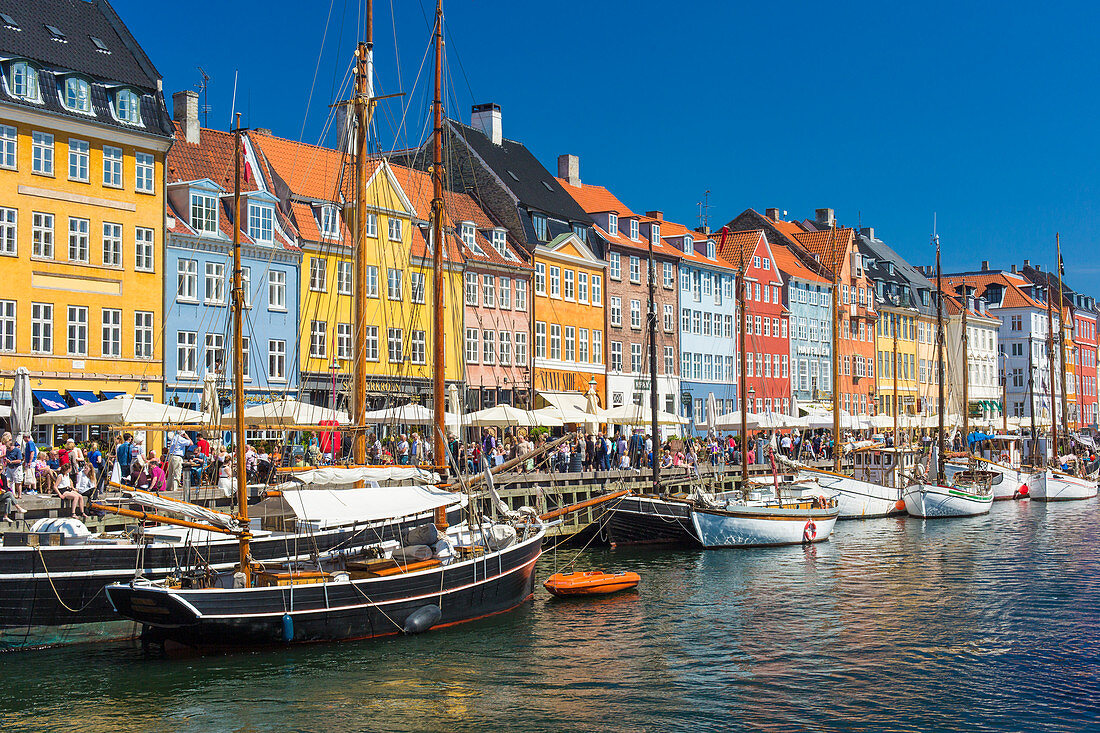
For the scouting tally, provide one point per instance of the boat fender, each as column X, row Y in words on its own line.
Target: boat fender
column 809, row 532
column 288, row 627
column 900, row 505
column 422, row 619
column 1021, row 492
column 238, row 579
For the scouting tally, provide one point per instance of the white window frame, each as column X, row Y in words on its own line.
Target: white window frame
column 276, row 360
column 145, row 170
column 78, row 239
column 9, row 147
column 143, row 334
column 276, row 290
column 186, row 353
column 112, row 244
column 79, row 160
column 112, row 167
column 213, row 290
column 9, row 231
column 42, row 153
column 203, row 213
column 41, row 328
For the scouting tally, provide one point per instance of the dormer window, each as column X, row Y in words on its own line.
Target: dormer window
column 77, row 96
column 654, row 233
column 9, row 22
column 204, row 213
column 634, row 229
column 613, row 224
column 330, row 223
column 261, row 225
column 711, row 254
column 499, row 240
column 689, row 245
column 468, row 233
column 538, row 221
column 56, row 34
column 24, row 81
column 127, row 107
column 581, row 232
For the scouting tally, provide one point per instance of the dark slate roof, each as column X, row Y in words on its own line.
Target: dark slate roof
column 78, row 20
column 521, row 172
column 906, row 277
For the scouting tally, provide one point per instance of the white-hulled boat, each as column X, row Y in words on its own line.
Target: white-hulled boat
column 1050, row 485
column 871, row 491
column 726, row 520
column 968, row 495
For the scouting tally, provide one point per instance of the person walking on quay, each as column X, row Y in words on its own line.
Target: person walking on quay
column 176, row 450
column 13, row 465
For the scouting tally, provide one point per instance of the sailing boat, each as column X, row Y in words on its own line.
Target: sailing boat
column 970, row 492
column 1048, row 484
column 436, row 574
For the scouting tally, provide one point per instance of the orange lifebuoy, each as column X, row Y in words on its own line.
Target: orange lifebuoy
column 809, row 532
column 1004, row 456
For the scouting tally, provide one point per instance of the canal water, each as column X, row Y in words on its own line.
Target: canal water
column 980, row 624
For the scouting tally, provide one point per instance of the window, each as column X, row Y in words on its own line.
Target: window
column 636, row 358
column 395, row 346
column 597, row 290
column 186, row 344
column 214, row 353
column 276, row 290
column 42, row 328
column 78, row 331
column 521, row 348
column 417, row 347
column 78, row 239
column 706, row 324
column 555, row 281
column 343, row 341
column 669, row 318
column 204, row 213
column 330, row 223
column 9, row 230
column 318, row 274
column 489, row 347
column 276, row 359
column 540, row 340
column 635, row 314
column 569, row 291
column 488, row 291
column 9, row 147
column 616, row 313
column 634, row 229
column 1017, row 323
column 246, row 354
column 318, row 340
column 42, row 153
column 670, row 361
column 127, row 108
column 597, row 347
column 471, row 288
column 143, row 172
column 343, row 277
column 7, row 325
column 370, row 343
column 24, row 81
column 505, row 347
column 112, row 245
column 143, row 249
column 78, row 160
column 261, row 225
column 370, row 288
column 669, row 279
column 76, row 95
column 616, row 363
column 416, row 287
column 143, row 334
column 499, row 240
column 395, row 228
column 635, row 270
column 505, row 293
column 540, row 278
column 570, row 343
column 187, row 279
column 214, row 283
column 696, row 321
column 689, row 245
column 538, row 221
column 613, row 224
column 112, row 166
column 685, row 320
column 555, row 341
column 466, row 231
column 615, row 272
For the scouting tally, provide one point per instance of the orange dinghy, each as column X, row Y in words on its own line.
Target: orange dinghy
column 591, row 583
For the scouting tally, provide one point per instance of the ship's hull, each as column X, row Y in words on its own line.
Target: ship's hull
column 1007, row 483
column 1049, row 486
column 332, row 611
column 858, row 499
column 54, row 595
column 762, row 526
column 649, row 520
column 931, row 501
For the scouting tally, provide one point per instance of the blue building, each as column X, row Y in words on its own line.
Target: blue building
column 806, row 297
column 199, row 271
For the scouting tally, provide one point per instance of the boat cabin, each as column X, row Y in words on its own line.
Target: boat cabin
column 883, row 465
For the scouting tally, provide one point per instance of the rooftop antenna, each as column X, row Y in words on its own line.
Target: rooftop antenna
column 704, row 209
column 203, row 87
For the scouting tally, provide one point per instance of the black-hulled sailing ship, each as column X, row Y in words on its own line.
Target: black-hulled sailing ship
column 434, row 574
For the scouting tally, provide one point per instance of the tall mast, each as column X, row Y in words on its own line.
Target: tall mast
column 743, row 398
column 1031, row 398
column 364, row 106
column 1062, row 344
column 966, row 371
column 238, row 362
column 940, row 358
column 1004, row 397
column 1050, row 364
column 897, row 453
column 652, row 325
column 438, row 364
column 836, row 353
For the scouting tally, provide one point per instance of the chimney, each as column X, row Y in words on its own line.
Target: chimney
column 1014, row 269
column 346, row 139
column 659, row 216
column 185, row 110
column 1027, row 263
column 704, row 230
column 985, row 265
column 486, row 117
column 772, row 214
column 569, row 168
column 868, row 232
column 826, row 217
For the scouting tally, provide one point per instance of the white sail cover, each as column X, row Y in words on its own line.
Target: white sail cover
column 191, row 511
column 341, row 476
column 327, row 508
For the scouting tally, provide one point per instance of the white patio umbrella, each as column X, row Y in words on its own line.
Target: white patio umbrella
column 409, row 414
column 640, row 415
column 21, row 409
column 210, row 404
column 712, row 414
column 289, row 411
column 825, row 420
column 123, row 410
column 732, row 421
column 508, row 416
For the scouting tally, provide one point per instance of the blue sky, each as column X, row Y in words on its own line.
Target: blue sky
column 985, row 113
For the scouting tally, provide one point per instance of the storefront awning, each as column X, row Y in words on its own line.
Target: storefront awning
column 83, row 397
column 49, row 400
column 112, row 395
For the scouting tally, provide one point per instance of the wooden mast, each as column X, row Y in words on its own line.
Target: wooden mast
column 739, row 283
column 966, row 370
column 940, row 343
column 364, row 105
column 897, row 453
column 1050, row 364
column 836, row 265
column 437, row 240
column 238, row 363
column 1062, row 344
column 652, row 326
column 1031, row 400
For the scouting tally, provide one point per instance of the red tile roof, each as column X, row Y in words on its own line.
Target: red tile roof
column 738, row 248
column 1013, row 295
column 792, row 265
column 211, row 158
column 830, row 246
column 596, row 199
column 310, row 171
column 677, row 231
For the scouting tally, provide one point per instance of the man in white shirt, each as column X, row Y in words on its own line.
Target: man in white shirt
column 176, row 450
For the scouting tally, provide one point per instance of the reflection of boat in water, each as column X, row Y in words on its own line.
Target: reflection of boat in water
column 1050, row 485
column 970, row 493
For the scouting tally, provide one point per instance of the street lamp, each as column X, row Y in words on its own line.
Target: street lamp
column 752, row 399
column 334, row 366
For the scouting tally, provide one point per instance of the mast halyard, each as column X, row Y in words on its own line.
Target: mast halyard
column 1062, row 344
column 835, row 296
column 245, row 535
column 1051, row 369
column 364, row 106
column 940, row 362
column 1031, row 399
column 739, row 284
column 437, row 240
column 966, row 369
column 651, row 323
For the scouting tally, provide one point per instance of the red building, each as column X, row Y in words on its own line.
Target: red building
column 1084, row 358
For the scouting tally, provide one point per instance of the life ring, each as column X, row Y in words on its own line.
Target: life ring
column 809, row 532
column 1004, row 457
column 819, row 502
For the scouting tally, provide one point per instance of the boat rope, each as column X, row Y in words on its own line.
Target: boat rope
column 378, row 607
column 66, row 606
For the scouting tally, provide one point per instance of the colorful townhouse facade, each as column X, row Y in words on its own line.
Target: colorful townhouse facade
column 806, row 295
column 83, row 136
column 1084, row 361
column 199, row 265
column 979, row 352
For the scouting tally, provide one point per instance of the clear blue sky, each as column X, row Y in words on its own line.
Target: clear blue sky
column 985, row 113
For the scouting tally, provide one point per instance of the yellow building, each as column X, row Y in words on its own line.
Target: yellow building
column 83, row 137
column 314, row 185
